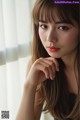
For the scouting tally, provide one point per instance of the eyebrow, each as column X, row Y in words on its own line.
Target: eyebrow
column 58, row 22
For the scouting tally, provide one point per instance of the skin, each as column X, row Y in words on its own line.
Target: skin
column 65, row 36
column 44, row 68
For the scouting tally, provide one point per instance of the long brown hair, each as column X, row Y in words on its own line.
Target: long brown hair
column 55, row 93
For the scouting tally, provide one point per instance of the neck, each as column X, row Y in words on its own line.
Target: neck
column 71, row 72
column 70, row 61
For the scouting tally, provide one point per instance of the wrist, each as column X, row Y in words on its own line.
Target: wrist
column 29, row 85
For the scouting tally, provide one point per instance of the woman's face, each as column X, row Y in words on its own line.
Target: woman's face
column 64, row 34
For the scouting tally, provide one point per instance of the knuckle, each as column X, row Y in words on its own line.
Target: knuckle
column 40, row 58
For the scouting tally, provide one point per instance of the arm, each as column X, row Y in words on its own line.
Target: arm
column 40, row 71
column 37, row 107
column 29, row 110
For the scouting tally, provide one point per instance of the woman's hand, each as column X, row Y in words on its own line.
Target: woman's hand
column 42, row 69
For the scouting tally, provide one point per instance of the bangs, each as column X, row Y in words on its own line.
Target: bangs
column 45, row 11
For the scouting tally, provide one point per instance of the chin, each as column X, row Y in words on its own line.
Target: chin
column 55, row 56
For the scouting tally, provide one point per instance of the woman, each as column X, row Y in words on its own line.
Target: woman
column 53, row 72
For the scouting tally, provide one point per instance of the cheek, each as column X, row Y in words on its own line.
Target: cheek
column 69, row 40
column 42, row 36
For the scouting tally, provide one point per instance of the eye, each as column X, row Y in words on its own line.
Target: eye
column 63, row 28
column 43, row 26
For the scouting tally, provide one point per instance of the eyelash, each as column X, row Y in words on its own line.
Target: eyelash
column 66, row 28
column 45, row 27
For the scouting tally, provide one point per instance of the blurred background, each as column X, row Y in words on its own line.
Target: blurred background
column 15, row 52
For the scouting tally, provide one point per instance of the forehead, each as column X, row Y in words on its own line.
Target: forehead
column 48, row 12
column 53, row 14
column 49, row 15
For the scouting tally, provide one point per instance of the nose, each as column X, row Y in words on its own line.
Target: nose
column 52, row 36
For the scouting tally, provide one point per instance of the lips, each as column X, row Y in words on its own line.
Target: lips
column 53, row 48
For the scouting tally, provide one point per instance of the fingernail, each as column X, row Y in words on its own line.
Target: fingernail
column 53, row 77
column 57, row 69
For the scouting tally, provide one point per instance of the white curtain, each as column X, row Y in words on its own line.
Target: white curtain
column 15, row 44
column 15, row 38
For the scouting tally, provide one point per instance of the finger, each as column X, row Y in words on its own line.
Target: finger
column 54, row 70
column 55, row 62
column 43, row 68
column 50, row 65
column 48, row 68
column 50, row 62
column 51, row 72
